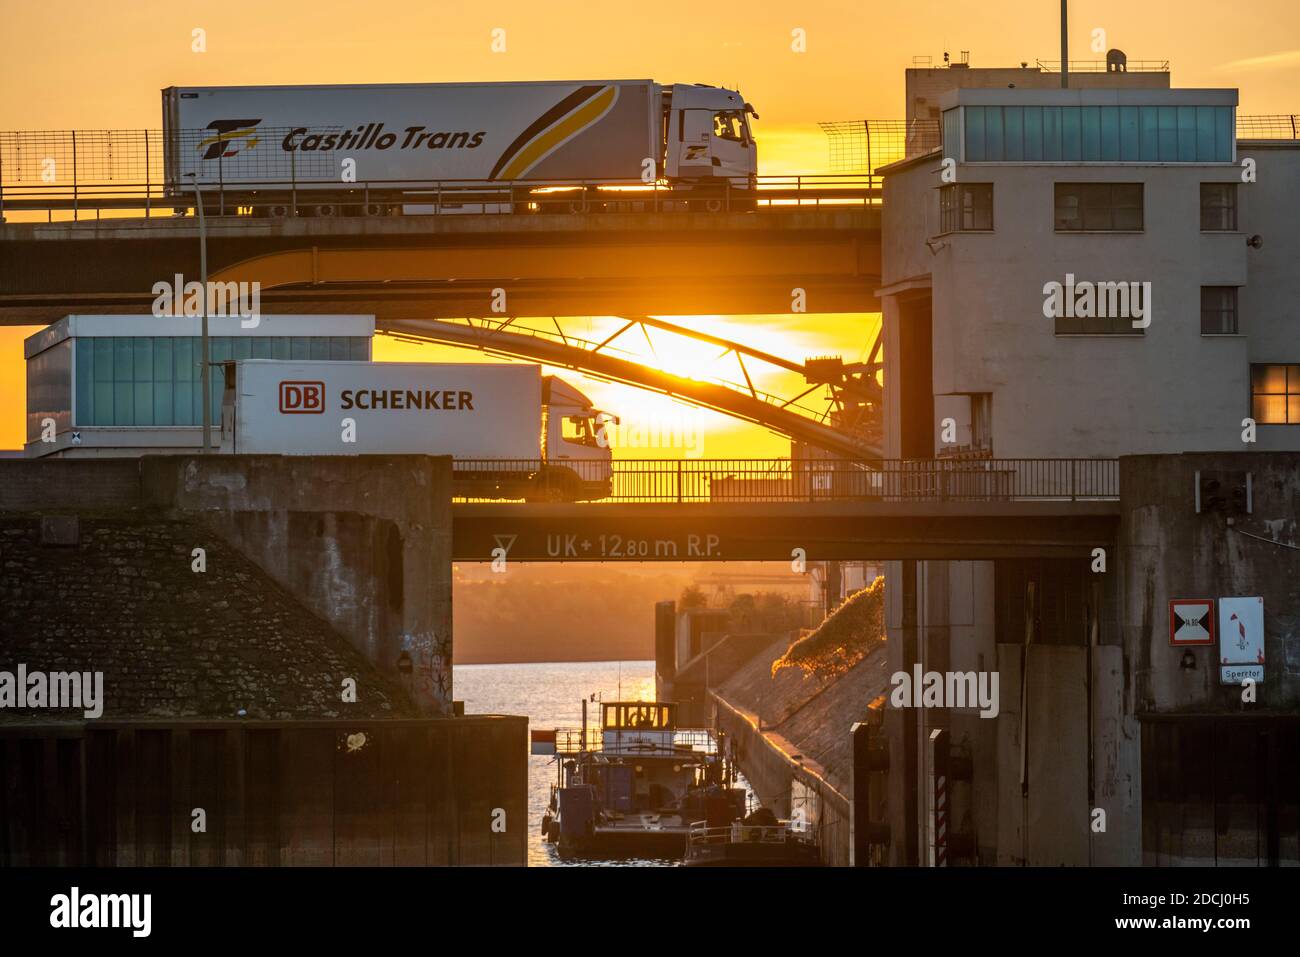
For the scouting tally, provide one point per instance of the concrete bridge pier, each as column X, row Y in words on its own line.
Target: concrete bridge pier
column 363, row 541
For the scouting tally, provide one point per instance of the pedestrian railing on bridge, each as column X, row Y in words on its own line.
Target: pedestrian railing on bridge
column 791, row 480
column 94, row 174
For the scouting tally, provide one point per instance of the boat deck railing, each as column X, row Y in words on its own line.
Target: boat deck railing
column 571, row 741
column 738, row 833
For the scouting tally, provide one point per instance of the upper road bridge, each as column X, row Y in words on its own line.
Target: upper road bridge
column 562, row 248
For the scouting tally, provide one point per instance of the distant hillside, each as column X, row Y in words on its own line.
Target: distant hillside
column 572, row 612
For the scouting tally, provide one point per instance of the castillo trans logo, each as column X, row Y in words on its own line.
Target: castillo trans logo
column 228, row 136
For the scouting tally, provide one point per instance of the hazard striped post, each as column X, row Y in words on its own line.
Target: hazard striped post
column 939, row 790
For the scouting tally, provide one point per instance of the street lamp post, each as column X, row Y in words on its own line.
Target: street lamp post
column 205, row 383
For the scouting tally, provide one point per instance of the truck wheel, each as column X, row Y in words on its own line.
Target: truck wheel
column 560, row 485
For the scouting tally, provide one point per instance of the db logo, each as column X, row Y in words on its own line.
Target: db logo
column 302, row 398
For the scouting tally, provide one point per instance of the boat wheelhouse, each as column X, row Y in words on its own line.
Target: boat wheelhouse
column 635, row 785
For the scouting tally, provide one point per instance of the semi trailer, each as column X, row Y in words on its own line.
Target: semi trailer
column 446, row 147
column 514, row 432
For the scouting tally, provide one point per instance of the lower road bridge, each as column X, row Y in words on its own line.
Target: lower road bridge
column 812, row 510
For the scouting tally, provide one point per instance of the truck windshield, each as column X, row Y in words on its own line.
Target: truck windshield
column 729, row 125
column 577, row 430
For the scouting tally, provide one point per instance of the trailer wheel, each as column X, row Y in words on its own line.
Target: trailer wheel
column 713, row 205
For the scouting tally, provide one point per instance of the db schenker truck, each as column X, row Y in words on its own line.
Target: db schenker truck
column 448, row 147
column 513, row 432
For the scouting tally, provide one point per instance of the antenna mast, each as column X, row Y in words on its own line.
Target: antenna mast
column 1065, row 47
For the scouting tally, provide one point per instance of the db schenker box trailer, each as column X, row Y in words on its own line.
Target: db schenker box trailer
column 513, row 432
column 348, row 147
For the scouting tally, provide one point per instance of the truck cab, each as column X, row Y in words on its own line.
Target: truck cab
column 577, row 459
column 709, row 147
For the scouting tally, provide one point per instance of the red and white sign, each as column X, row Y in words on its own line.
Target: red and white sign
column 1241, row 640
column 302, row 398
column 1191, row 621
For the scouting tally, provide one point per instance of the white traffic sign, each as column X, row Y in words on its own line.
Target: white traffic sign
column 1241, row 640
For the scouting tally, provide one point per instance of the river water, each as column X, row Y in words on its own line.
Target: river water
column 551, row 695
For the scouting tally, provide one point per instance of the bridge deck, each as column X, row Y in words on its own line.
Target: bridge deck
column 399, row 267
column 777, row 531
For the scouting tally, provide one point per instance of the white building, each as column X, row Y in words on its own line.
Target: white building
column 125, row 385
column 1143, row 186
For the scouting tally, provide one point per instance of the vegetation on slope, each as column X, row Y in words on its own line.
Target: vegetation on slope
column 846, row 636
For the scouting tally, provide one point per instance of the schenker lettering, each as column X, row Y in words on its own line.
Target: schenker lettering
column 444, row 400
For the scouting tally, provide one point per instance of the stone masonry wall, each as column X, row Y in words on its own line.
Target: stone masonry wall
column 225, row 643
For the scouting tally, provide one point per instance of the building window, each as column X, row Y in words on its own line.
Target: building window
column 952, row 134
column 1218, row 310
column 1105, row 134
column 1275, row 394
column 1081, row 207
column 156, row 380
column 966, row 207
column 1219, row 207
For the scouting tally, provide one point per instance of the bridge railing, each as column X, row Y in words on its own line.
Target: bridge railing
column 788, row 480
column 275, row 199
column 96, row 174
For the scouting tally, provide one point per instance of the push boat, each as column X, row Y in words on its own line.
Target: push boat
column 753, row 842
column 635, row 786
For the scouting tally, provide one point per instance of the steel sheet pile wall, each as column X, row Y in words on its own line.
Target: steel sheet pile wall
column 413, row 792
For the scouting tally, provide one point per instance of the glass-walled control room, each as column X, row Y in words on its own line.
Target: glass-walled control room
column 1067, row 126
column 134, row 382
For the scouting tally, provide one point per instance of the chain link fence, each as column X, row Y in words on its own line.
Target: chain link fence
column 64, row 158
column 863, row 146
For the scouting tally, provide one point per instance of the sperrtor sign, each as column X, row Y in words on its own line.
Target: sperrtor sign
column 323, row 408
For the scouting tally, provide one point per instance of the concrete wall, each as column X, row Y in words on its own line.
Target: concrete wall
column 1169, row 390
column 691, row 685
column 364, row 541
column 1267, row 209
column 116, row 593
column 770, row 767
column 1099, row 395
column 323, row 793
column 1056, row 395
column 1168, row 551
column 26, row 485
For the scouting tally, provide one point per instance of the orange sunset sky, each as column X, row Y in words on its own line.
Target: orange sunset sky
column 78, row 64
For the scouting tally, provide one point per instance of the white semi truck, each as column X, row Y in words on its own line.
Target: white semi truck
column 513, row 432
column 444, row 147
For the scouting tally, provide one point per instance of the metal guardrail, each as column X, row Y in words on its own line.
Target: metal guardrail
column 127, row 174
column 1103, row 66
column 736, row 833
column 373, row 198
column 696, row 740
column 804, row 480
